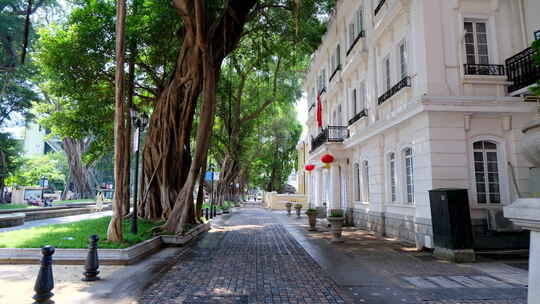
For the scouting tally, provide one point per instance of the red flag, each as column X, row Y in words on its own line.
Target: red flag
column 319, row 110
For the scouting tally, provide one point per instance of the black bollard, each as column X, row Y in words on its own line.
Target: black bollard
column 215, row 210
column 92, row 261
column 44, row 282
column 206, row 213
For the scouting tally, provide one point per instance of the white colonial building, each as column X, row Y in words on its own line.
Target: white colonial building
column 418, row 95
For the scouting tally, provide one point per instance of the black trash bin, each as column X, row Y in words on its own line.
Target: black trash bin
column 452, row 227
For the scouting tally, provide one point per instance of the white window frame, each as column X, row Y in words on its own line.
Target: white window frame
column 392, row 189
column 403, row 61
column 504, row 180
column 406, row 178
column 474, row 23
column 357, row 172
column 354, row 101
column 386, row 74
column 361, row 98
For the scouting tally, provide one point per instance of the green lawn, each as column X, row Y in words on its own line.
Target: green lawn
column 15, row 206
column 74, row 235
column 85, row 200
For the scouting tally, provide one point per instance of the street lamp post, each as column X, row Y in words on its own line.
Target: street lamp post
column 139, row 121
column 43, row 181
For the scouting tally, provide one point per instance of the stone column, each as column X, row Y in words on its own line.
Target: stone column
column 334, row 192
column 319, row 188
column 525, row 212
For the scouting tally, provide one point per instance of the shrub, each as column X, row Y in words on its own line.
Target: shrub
column 336, row 213
column 298, row 206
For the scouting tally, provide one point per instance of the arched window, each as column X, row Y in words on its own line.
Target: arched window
column 409, row 175
column 392, row 176
column 486, row 172
column 365, row 178
column 357, row 186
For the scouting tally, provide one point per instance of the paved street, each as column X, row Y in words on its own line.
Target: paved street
column 257, row 256
column 58, row 220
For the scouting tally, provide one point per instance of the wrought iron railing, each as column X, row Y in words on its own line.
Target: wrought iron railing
column 334, row 72
column 405, row 82
column 379, row 6
column 522, row 70
column 360, row 35
column 484, row 69
column 329, row 134
column 357, row 117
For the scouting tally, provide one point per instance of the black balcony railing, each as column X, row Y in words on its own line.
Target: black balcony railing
column 484, row 69
column 379, row 6
column 311, row 106
column 329, row 134
column 322, row 91
column 334, row 72
column 357, row 117
column 405, row 82
column 362, row 34
column 522, row 70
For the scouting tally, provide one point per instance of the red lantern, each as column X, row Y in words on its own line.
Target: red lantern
column 310, row 167
column 327, row 158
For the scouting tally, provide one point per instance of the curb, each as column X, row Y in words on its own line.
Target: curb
column 126, row 256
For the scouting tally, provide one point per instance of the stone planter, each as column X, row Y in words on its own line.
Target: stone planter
column 336, row 228
column 312, row 219
column 298, row 210
column 530, row 143
column 289, row 207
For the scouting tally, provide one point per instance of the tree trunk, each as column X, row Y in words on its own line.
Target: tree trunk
column 79, row 173
column 169, row 175
column 121, row 160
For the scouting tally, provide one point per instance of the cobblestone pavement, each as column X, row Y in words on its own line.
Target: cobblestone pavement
column 267, row 257
column 250, row 260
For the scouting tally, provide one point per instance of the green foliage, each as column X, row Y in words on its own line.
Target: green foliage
column 536, row 45
column 298, row 206
column 75, row 235
column 312, row 210
column 77, row 61
column 53, row 166
column 336, row 213
column 10, row 161
column 15, row 206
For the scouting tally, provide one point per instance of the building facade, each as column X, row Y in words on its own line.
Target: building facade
column 417, row 95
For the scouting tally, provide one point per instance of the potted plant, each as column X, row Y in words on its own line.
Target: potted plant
column 336, row 219
column 312, row 218
column 288, row 205
column 298, row 207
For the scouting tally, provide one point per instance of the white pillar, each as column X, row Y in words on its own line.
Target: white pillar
column 534, row 267
column 319, row 188
column 334, row 193
column 525, row 212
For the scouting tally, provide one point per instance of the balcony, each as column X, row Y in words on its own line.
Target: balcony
column 334, row 73
column 484, row 69
column 329, row 134
column 362, row 34
column 357, row 117
column 405, row 82
column 521, row 70
column 379, row 6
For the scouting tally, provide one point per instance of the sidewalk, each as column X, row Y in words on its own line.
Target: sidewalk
column 379, row 270
column 58, row 220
